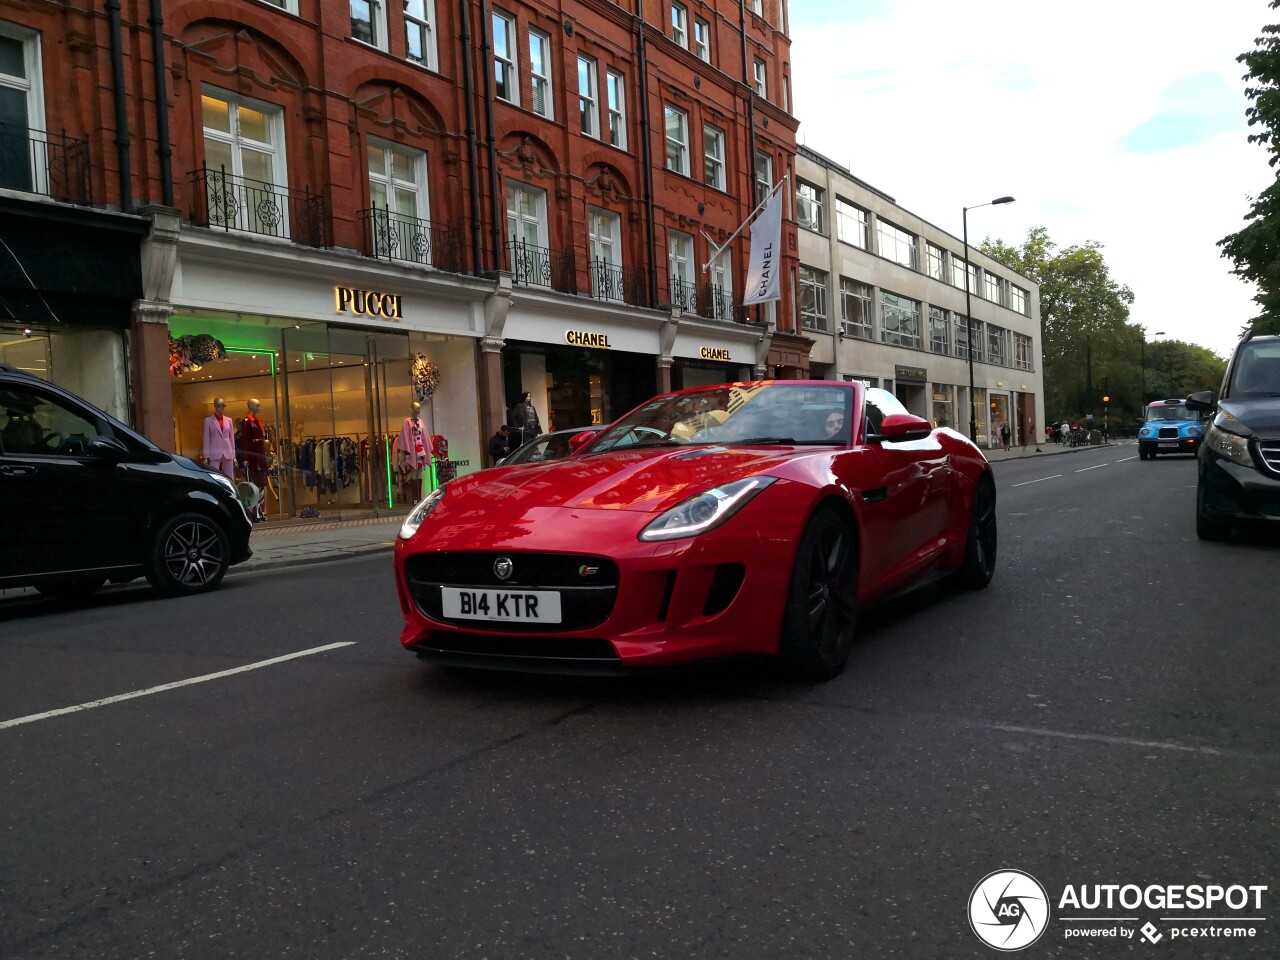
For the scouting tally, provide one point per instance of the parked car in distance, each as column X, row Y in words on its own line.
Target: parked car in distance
column 1238, row 480
column 744, row 519
column 85, row 500
column 548, row 446
column 1169, row 426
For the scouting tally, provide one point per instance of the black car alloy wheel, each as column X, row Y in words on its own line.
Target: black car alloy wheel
column 822, row 606
column 190, row 555
column 981, row 539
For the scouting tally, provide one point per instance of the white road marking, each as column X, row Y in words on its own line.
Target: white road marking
column 1126, row 459
column 4, row 725
column 1228, row 752
column 1025, row 482
column 1094, row 467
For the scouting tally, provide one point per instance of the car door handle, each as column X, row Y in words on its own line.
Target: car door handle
column 9, row 470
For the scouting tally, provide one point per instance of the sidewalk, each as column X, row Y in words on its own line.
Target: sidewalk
column 292, row 546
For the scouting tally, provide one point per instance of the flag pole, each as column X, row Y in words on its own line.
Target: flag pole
column 717, row 250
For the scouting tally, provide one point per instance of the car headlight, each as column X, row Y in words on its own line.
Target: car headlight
column 225, row 481
column 1144, row 432
column 706, row 511
column 1230, row 445
column 1193, row 431
column 419, row 513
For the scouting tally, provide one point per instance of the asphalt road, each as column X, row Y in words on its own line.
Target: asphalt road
column 1105, row 713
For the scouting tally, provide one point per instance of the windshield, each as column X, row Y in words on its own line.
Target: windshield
column 1167, row 412
column 1257, row 370
column 737, row 414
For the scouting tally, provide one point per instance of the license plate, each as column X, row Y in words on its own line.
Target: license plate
column 506, row 606
column 1173, row 445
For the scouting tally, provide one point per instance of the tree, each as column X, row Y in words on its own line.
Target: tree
column 1087, row 340
column 1255, row 249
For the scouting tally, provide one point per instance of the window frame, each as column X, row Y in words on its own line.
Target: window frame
column 680, row 23
column 588, row 99
column 377, row 23
column 850, row 292
column 713, row 134
column 934, row 256
column 849, row 214
column 387, row 179
column 760, row 78
column 991, row 287
column 763, row 186
column 702, row 39
column 31, row 87
column 608, row 242
column 508, row 59
column 812, row 290
column 682, row 165
column 893, row 334
column 682, row 266
column 1018, row 299
column 541, row 81
column 427, row 35
column 616, row 95
column 276, row 148
column 810, row 204
column 889, row 234
column 939, row 322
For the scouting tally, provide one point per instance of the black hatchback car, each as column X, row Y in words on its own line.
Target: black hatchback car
column 1239, row 473
column 84, row 500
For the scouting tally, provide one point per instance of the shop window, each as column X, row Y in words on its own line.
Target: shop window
column 245, row 163
column 398, row 194
column 22, row 146
column 540, row 74
column 420, row 32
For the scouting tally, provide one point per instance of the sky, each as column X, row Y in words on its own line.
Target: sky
column 1120, row 122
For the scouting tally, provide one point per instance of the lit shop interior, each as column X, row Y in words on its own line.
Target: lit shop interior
column 85, row 361
column 333, row 403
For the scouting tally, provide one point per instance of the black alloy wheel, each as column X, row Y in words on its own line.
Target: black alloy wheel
column 981, row 540
column 1206, row 528
column 821, row 615
column 189, row 556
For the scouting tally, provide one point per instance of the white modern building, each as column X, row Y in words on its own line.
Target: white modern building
column 882, row 295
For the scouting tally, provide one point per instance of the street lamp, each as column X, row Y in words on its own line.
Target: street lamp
column 1143, row 349
column 968, row 309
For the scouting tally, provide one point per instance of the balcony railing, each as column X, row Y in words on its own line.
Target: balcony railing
column 684, row 295
column 532, row 266
column 223, row 200
column 49, row 164
column 612, row 282
column 716, row 303
column 397, row 236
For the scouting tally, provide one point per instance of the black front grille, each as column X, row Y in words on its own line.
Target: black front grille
column 1270, row 453
column 588, row 586
column 1168, row 433
column 524, row 648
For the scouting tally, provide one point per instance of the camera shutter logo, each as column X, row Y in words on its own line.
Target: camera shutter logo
column 1009, row 910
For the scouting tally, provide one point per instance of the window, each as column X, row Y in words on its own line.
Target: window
column 398, row 195
column 764, row 175
column 997, row 345
column 939, row 331
column 856, row 310
column 1018, row 299
column 21, row 111
column 540, row 74
column 962, row 338
column 713, row 150
column 899, row 320
column 244, row 157
column 40, row 425
column 369, row 22
column 681, row 269
column 992, row 283
column 588, row 107
column 604, row 233
column 617, row 109
column 813, row 298
column 761, row 83
column 420, row 33
column 505, row 76
column 677, row 140
column 1022, row 351
column 757, row 7
column 809, row 204
column 957, row 271
column 851, row 224
column 933, row 254
column 527, row 234
column 680, row 24
column 722, row 285
column 702, row 39
column 896, row 244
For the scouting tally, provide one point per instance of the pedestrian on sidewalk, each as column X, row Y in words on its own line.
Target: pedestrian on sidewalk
column 1004, row 435
column 500, row 444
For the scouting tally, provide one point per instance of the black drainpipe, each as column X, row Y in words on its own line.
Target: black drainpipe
column 650, row 240
column 162, row 104
column 473, row 171
column 122, row 118
column 495, row 225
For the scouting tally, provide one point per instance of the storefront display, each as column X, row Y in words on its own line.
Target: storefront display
column 88, row 362
column 577, row 387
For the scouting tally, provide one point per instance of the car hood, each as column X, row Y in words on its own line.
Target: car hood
column 645, row 481
column 1260, row 417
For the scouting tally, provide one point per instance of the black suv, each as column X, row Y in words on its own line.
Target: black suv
column 84, row 500
column 1239, row 478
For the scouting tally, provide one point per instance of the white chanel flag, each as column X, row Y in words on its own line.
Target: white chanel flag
column 764, row 270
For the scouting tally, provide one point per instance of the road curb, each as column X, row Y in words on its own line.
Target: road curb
column 1056, row 453
column 329, row 557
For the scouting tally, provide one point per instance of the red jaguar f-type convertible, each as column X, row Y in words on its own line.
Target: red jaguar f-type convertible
column 741, row 519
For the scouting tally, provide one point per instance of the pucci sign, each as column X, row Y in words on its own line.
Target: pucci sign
column 368, row 303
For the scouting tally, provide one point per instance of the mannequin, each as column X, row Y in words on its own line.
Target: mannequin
column 413, row 456
column 251, row 449
column 218, row 449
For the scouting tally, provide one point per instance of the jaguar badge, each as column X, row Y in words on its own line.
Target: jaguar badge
column 502, row 568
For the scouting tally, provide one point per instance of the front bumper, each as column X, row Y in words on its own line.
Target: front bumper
column 1180, row 445
column 1228, row 491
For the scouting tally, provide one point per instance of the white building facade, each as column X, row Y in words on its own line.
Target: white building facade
column 882, row 295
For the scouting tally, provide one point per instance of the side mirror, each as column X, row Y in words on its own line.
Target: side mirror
column 580, row 440
column 1201, row 401
column 904, row 426
column 107, row 449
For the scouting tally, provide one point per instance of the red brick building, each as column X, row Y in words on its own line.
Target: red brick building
column 517, row 196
